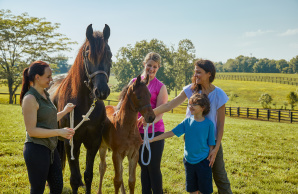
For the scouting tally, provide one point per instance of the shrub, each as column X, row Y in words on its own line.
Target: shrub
column 265, row 99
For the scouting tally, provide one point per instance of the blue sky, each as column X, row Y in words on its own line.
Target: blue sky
column 219, row 29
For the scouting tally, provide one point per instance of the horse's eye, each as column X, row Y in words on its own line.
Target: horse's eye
column 139, row 97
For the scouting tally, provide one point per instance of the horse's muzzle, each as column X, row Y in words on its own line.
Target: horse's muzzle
column 101, row 94
column 150, row 119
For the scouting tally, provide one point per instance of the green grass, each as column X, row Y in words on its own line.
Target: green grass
column 260, row 156
column 250, row 91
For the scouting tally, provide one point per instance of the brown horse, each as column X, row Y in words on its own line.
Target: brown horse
column 121, row 133
column 86, row 81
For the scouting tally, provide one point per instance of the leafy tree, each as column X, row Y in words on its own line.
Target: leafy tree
column 231, row 65
column 184, row 62
column 261, row 66
column 129, row 63
column 219, row 66
column 282, row 65
column 265, row 99
column 292, row 99
column 293, row 64
column 62, row 64
column 25, row 39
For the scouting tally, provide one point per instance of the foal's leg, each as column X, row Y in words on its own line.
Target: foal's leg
column 118, row 179
column 102, row 165
column 133, row 161
column 75, row 174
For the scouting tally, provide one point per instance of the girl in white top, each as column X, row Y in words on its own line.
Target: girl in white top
column 202, row 83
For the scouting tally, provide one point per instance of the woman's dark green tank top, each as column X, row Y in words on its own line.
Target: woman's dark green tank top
column 46, row 118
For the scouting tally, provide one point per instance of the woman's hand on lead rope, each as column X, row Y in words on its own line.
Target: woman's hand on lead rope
column 141, row 121
column 66, row 132
column 68, row 108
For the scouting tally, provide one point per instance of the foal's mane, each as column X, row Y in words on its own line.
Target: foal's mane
column 71, row 85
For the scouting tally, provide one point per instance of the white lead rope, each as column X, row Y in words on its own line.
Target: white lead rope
column 85, row 118
column 147, row 144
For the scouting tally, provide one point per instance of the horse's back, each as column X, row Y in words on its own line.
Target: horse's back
column 55, row 84
column 110, row 110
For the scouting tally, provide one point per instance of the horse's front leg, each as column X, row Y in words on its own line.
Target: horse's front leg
column 75, row 174
column 118, row 179
column 92, row 149
column 133, row 161
column 102, row 165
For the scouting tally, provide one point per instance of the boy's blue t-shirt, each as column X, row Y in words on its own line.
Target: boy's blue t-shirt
column 198, row 137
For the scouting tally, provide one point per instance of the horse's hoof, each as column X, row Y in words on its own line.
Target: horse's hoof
column 81, row 184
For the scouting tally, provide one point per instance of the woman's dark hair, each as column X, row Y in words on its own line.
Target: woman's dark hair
column 37, row 67
column 202, row 100
column 207, row 66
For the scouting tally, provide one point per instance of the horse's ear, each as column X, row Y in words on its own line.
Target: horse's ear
column 89, row 32
column 147, row 79
column 106, row 32
column 137, row 82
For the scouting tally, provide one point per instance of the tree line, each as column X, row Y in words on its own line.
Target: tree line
column 177, row 64
column 254, row 65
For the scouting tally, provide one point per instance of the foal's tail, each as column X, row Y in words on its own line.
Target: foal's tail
column 62, row 153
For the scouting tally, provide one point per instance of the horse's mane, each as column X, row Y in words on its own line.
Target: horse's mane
column 123, row 93
column 71, row 85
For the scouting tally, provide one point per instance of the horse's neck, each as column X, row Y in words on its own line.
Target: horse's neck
column 128, row 115
column 83, row 95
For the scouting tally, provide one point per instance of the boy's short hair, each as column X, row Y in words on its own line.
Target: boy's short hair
column 202, row 100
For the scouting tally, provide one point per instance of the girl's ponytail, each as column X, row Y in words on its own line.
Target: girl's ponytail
column 25, row 84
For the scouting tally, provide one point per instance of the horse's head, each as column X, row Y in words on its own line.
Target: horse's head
column 140, row 96
column 97, row 61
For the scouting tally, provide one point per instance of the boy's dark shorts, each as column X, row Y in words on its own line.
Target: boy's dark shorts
column 198, row 176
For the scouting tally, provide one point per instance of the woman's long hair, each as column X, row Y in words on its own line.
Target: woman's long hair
column 37, row 67
column 207, row 66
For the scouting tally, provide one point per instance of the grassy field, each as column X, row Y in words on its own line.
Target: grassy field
column 273, row 75
column 261, row 157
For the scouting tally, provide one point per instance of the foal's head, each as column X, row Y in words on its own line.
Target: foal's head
column 139, row 97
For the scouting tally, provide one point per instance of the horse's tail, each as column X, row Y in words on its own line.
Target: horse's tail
column 62, row 153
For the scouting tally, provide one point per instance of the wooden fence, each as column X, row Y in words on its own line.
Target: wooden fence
column 280, row 80
column 263, row 114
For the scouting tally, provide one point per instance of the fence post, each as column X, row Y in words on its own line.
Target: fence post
column 15, row 99
column 291, row 117
column 268, row 114
column 279, row 116
column 238, row 111
column 247, row 112
column 108, row 102
column 230, row 111
column 257, row 113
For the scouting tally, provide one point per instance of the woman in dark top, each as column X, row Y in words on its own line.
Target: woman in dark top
column 40, row 117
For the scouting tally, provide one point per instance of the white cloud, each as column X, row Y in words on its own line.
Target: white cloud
column 289, row 32
column 256, row 33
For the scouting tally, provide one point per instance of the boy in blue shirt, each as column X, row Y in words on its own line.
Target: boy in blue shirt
column 199, row 141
